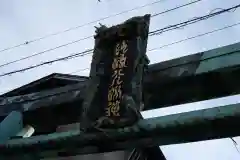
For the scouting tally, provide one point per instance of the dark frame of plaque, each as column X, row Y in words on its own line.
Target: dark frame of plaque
column 113, row 96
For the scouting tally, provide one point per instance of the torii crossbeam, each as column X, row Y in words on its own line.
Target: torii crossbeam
column 213, row 123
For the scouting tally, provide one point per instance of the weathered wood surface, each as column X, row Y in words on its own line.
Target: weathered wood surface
column 114, row 89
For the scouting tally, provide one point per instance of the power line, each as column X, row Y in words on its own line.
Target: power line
column 90, row 51
column 181, row 41
column 152, row 33
column 80, row 26
column 79, row 70
column 104, row 18
column 194, row 37
column 193, row 20
column 74, row 55
column 163, row 69
column 235, row 144
column 45, row 51
column 33, row 55
column 175, row 8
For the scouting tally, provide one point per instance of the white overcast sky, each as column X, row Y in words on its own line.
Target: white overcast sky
column 28, row 19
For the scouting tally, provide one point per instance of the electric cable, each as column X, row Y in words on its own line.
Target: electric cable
column 79, row 26
column 193, row 20
column 75, row 55
column 152, row 33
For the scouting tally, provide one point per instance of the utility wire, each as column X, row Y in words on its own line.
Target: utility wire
column 175, row 8
column 76, row 41
column 152, row 33
column 194, row 37
column 193, row 20
column 180, row 41
column 74, row 55
column 235, row 144
column 42, row 52
column 80, row 26
column 163, row 69
column 90, row 50
column 79, row 70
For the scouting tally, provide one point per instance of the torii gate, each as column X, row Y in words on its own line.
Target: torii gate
column 193, row 126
